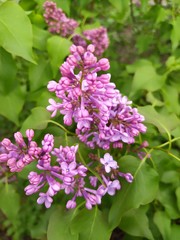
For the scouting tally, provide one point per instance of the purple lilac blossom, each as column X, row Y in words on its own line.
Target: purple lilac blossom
column 57, row 21
column 104, row 117
column 20, row 154
column 108, row 162
column 98, row 37
column 3, row 166
column 64, row 174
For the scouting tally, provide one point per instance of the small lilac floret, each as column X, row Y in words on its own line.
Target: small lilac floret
column 29, row 134
column 46, row 199
column 70, row 204
column 128, row 176
column 108, row 162
column 113, row 186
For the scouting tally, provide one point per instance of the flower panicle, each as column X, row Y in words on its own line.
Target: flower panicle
column 86, row 96
column 65, row 174
column 57, row 21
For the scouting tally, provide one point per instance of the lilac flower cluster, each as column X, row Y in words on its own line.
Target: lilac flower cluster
column 57, row 21
column 59, row 24
column 4, row 168
column 104, row 117
column 98, row 37
column 63, row 174
column 18, row 155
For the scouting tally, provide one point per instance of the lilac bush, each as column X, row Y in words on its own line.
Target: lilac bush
column 102, row 156
column 104, row 119
column 103, row 116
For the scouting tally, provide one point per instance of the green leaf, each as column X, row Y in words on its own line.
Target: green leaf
column 64, row 5
column 140, row 192
column 133, row 67
column 59, row 225
column 153, row 100
column 88, row 14
column 122, row 8
column 42, row 99
column 175, row 33
column 162, row 122
column 143, row 42
column 171, row 99
column 40, row 37
column 29, row 168
column 90, row 225
column 166, row 196
column 37, row 120
column 9, row 202
column 175, row 232
column 163, row 15
column 15, row 31
column 163, row 222
column 8, row 72
column 135, row 223
column 58, row 49
column 146, row 78
column 11, row 105
column 39, row 230
column 40, row 74
column 178, row 197
column 170, row 176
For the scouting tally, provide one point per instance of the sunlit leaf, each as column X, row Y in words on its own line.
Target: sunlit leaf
column 162, row 122
column 153, row 100
column 123, row 9
column 40, row 37
column 175, row 34
column 40, row 74
column 171, row 99
column 15, row 31
column 38, row 119
column 175, row 231
column 146, row 78
column 11, row 105
column 58, row 49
